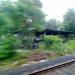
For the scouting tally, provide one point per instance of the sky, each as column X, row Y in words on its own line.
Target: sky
column 55, row 9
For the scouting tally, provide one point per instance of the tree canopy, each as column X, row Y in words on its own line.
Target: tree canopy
column 52, row 24
column 18, row 19
column 69, row 20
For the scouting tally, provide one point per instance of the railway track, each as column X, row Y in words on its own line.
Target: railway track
column 49, row 67
column 65, row 69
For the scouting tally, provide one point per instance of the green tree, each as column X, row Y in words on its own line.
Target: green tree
column 52, row 24
column 19, row 19
column 22, row 12
column 69, row 20
column 33, row 18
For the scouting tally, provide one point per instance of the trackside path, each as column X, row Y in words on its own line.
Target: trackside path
column 34, row 68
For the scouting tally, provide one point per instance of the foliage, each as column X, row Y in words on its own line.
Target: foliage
column 17, row 23
column 55, row 43
column 8, row 44
column 51, row 39
column 69, row 20
column 71, row 44
column 52, row 24
column 5, row 24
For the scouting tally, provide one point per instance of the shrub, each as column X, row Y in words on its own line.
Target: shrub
column 54, row 43
column 52, row 38
column 8, row 44
column 71, row 44
column 49, row 40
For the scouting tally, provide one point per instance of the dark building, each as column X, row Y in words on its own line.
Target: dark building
column 64, row 34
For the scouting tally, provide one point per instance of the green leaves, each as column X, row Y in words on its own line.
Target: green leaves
column 52, row 24
column 16, row 19
column 8, row 44
column 69, row 20
column 5, row 23
column 50, row 40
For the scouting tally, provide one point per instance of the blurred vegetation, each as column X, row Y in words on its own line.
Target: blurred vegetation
column 7, row 46
column 56, row 44
column 19, row 21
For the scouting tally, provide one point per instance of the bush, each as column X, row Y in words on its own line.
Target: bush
column 54, row 43
column 8, row 44
column 71, row 44
column 49, row 40
column 52, row 38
